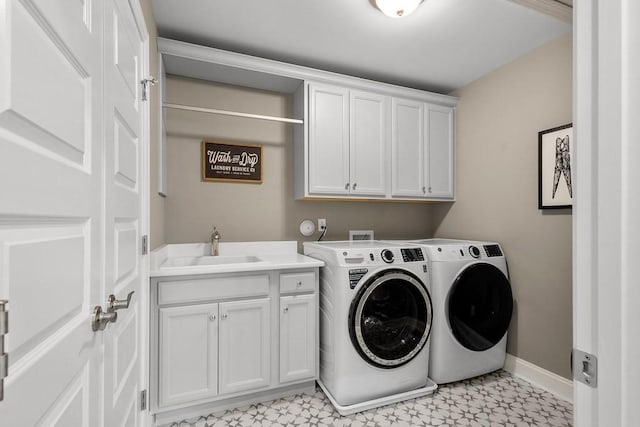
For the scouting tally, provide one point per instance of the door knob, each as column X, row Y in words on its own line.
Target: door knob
column 117, row 304
column 100, row 319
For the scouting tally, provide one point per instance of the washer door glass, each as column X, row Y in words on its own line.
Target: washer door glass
column 480, row 306
column 390, row 318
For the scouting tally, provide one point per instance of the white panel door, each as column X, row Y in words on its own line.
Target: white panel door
column 245, row 344
column 368, row 143
column 328, row 140
column 124, row 62
column 188, row 346
column 438, row 124
column 297, row 337
column 606, row 209
column 51, row 248
column 407, row 148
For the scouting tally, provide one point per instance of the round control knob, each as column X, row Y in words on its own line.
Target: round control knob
column 474, row 251
column 387, row 256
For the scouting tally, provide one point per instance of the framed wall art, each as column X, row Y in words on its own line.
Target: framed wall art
column 555, row 165
column 226, row 161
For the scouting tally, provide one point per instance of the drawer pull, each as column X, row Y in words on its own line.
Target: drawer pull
column 299, row 283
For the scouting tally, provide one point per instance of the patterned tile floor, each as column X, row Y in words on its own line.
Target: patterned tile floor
column 496, row 399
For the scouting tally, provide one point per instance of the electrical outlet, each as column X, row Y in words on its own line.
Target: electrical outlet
column 322, row 224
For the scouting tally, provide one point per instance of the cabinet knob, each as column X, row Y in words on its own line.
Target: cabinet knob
column 212, row 317
column 224, row 316
column 429, row 189
column 424, row 189
column 299, row 283
column 354, row 186
column 346, row 186
column 286, row 310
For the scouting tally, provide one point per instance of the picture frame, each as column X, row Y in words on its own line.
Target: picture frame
column 555, row 167
column 231, row 162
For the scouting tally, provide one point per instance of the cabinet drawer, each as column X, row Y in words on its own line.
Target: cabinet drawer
column 297, row 282
column 201, row 290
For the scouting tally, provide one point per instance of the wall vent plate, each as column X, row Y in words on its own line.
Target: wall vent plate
column 360, row 234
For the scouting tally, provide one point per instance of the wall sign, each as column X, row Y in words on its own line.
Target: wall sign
column 225, row 161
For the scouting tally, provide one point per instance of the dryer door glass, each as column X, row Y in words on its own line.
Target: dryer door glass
column 390, row 319
column 480, row 306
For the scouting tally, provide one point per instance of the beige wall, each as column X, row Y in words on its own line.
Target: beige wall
column 267, row 211
column 497, row 124
column 498, row 120
column 156, row 203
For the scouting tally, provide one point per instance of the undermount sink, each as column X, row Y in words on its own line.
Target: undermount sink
column 217, row 260
column 210, row 260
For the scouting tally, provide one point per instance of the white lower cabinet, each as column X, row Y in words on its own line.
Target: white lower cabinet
column 297, row 337
column 218, row 338
column 188, row 353
column 244, row 345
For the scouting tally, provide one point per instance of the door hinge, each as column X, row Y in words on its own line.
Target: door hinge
column 145, row 244
column 143, row 400
column 4, row 357
column 585, row 368
column 145, row 86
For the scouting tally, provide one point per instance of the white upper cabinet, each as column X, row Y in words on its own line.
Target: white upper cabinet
column 439, row 143
column 328, row 140
column 364, row 144
column 422, row 150
column 407, row 148
column 347, row 142
column 352, row 138
column 368, row 143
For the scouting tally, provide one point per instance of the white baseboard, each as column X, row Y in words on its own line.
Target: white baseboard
column 553, row 383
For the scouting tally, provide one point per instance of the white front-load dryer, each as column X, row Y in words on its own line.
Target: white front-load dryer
column 473, row 304
column 375, row 323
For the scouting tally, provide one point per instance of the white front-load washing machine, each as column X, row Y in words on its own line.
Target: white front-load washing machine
column 472, row 306
column 375, row 323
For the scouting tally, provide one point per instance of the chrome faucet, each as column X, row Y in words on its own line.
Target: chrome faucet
column 215, row 242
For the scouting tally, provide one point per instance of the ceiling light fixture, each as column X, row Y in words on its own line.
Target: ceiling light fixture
column 397, row 8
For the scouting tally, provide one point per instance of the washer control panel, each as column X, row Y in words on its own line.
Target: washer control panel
column 383, row 256
column 412, row 254
column 387, row 256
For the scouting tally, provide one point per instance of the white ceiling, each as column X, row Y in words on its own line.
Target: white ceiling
column 443, row 46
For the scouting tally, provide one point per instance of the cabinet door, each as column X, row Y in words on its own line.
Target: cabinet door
column 407, row 145
column 244, row 345
column 328, row 140
column 297, row 337
column 188, row 351
column 368, row 143
column 439, row 133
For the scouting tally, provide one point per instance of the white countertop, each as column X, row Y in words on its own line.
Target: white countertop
column 184, row 259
